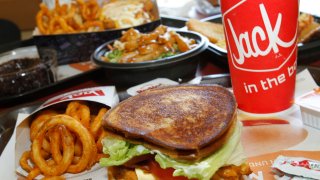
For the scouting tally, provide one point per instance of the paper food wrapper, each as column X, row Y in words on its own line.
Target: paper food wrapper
column 104, row 96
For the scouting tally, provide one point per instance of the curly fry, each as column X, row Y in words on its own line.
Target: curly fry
column 79, row 111
column 93, row 24
column 78, row 148
column 62, row 144
column 43, row 18
column 90, row 9
column 24, row 161
column 55, row 142
column 102, row 135
column 36, row 171
column 54, row 178
column 68, row 150
column 33, row 173
column 58, row 23
column 96, row 124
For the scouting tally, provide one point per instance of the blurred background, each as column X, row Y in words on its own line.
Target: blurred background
column 20, row 14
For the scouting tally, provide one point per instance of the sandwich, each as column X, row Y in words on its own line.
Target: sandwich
column 213, row 31
column 191, row 130
column 308, row 28
column 127, row 13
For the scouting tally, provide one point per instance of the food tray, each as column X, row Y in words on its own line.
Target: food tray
column 8, row 118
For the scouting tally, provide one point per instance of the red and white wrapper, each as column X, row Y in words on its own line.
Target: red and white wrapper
column 297, row 166
column 105, row 95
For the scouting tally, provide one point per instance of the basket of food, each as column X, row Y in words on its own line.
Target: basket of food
column 75, row 28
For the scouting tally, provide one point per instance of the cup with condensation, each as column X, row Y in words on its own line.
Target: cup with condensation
column 261, row 37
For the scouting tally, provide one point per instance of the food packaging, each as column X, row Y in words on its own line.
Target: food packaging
column 100, row 96
column 297, row 166
column 262, row 52
column 310, row 108
column 78, row 47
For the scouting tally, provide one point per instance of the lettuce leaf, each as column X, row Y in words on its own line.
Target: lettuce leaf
column 206, row 168
column 120, row 151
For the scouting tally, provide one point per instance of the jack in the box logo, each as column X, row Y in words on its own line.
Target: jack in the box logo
column 261, row 41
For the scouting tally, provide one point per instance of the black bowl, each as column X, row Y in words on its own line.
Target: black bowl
column 183, row 65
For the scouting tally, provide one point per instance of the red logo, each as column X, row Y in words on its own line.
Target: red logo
column 77, row 94
column 265, row 39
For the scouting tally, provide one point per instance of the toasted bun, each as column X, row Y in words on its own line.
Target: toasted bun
column 213, row 31
column 186, row 118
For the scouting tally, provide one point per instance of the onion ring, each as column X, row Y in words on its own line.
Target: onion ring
column 67, row 144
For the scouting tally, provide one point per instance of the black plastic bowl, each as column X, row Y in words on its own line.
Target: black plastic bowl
column 174, row 67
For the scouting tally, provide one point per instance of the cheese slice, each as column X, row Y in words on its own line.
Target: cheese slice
column 141, row 175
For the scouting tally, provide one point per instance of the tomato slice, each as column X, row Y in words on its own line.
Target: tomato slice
column 166, row 174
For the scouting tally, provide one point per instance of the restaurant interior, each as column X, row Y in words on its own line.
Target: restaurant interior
column 242, row 71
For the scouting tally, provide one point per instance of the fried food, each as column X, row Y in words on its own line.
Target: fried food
column 161, row 128
column 70, row 141
column 134, row 46
column 127, row 13
column 308, row 28
column 24, row 161
column 89, row 16
column 67, row 144
column 188, row 130
column 213, row 31
column 96, row 123
column 80, row 112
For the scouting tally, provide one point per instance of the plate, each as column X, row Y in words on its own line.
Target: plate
column 307, row 52
column 65, row 73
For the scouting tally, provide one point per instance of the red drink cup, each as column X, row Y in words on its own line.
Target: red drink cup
column 261, row 38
